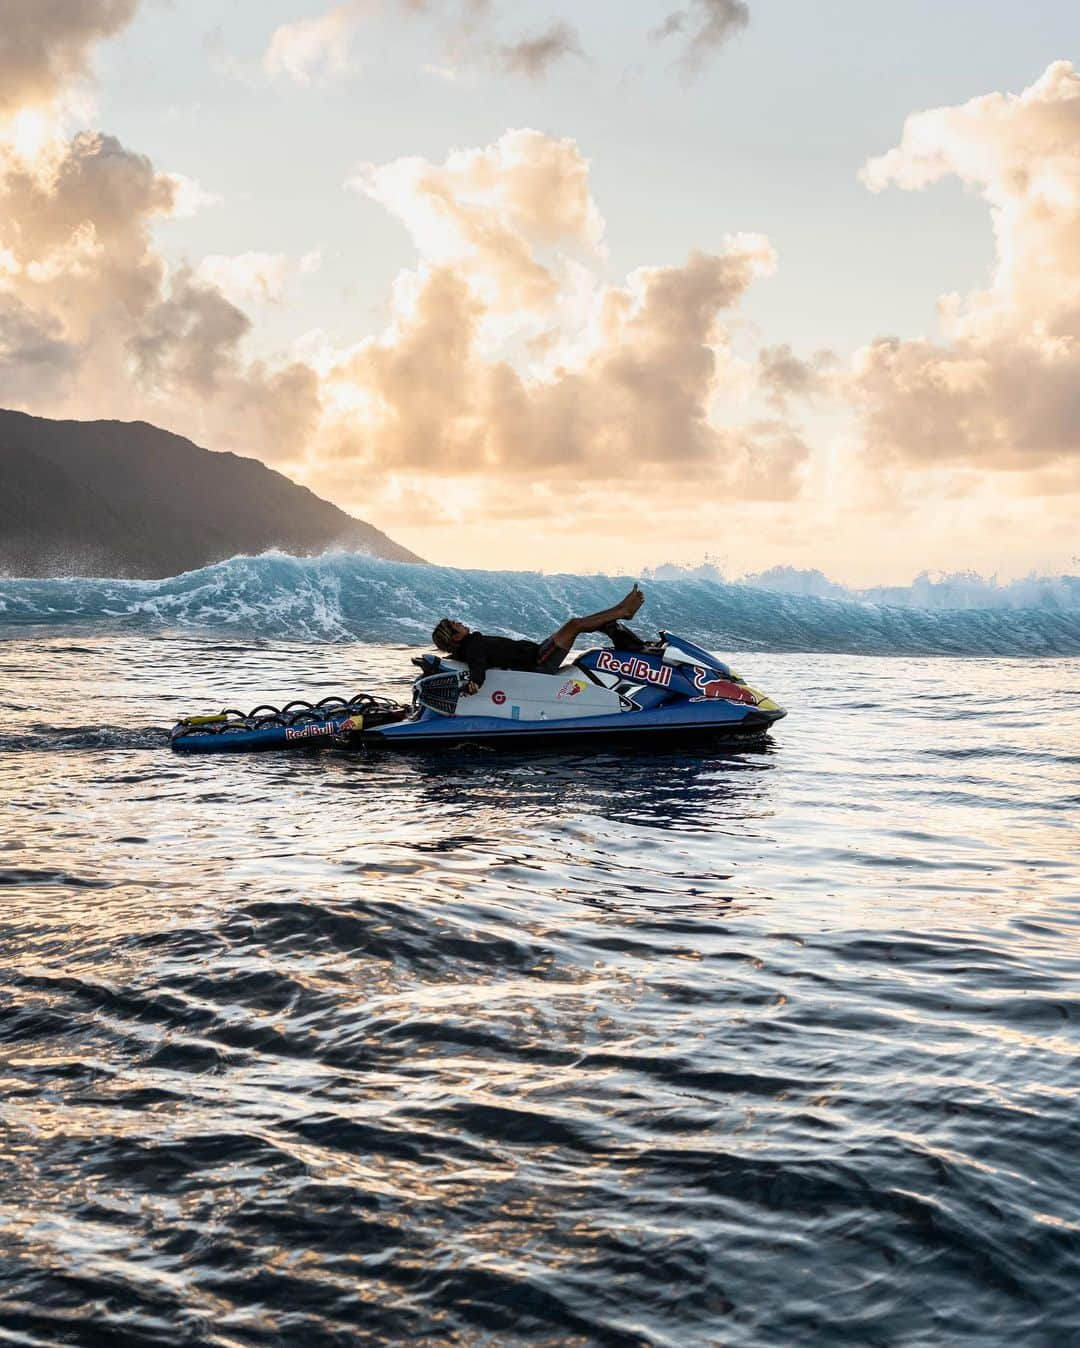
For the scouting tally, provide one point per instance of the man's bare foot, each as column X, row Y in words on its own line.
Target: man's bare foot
column 632, row 602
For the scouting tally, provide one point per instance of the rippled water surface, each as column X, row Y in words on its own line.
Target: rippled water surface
column 772, row 1047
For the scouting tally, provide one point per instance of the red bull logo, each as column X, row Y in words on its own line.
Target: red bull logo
column 572, row 687
column 319, row 729
column 710, row 686
column 634, row 668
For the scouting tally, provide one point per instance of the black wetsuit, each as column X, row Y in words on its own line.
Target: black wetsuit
column 482, row 653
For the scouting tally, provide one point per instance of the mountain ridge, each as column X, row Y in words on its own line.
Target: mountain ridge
column 127, row 498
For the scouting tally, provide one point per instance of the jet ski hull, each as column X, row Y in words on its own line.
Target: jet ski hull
column 680, row 726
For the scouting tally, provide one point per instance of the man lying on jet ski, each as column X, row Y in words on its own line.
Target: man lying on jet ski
column 482, row 653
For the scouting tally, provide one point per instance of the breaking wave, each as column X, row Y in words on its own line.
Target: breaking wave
column 349, row 597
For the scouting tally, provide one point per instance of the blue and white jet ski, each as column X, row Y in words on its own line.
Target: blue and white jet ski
column 667, row 693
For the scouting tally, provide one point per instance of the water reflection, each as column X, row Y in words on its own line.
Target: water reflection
column 657, row 790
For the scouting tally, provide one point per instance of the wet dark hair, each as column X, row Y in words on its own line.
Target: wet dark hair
column 443, row 635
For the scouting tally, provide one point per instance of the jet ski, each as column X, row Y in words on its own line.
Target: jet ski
column 669, row 692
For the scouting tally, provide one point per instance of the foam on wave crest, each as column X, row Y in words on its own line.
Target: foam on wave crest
column 948, row 590
column 349, row 597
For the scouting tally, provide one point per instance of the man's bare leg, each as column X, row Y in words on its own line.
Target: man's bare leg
column 569, row 632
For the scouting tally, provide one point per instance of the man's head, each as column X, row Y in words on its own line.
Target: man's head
column 449, row 634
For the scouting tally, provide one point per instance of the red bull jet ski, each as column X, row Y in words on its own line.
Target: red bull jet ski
column 665, row 693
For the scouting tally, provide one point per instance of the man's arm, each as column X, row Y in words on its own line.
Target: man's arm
column 477, row 663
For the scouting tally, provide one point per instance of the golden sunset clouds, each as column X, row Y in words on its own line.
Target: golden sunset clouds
column 506, row 354
column 1001, row 390
column 512, row 373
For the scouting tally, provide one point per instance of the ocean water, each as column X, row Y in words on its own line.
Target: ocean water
column 769, row 1047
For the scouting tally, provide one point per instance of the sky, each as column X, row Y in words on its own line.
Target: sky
column 571, row 287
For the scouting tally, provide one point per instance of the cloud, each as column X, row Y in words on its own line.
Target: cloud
column 187, row 337
column 783, row 376
column 535, row 56
column 490, row 212
column 189, row 346
column 249, row 277
column 705, row 25
column 35, row 360
column 507, row 357
column 92, row 320
column 75, row 224
column 1002, row 390
column 624, row 392
column 189, row 197
column 317, row 48
column 627, row 390
column 45, row 46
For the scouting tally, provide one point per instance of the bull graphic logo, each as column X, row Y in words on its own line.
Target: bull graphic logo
column 709, row 686
column 572, row 687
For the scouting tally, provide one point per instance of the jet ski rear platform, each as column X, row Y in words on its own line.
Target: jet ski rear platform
column 670, row 693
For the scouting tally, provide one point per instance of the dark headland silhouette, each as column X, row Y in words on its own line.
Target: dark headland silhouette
column 124, row 498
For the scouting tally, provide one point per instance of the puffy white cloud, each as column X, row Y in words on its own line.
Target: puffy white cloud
column 314, row 48
column 490, row 212
column 75, row 224
column 246, row 277
column 1002, row 390
column 189, row 196
column 45, row 45
column 625, row 392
